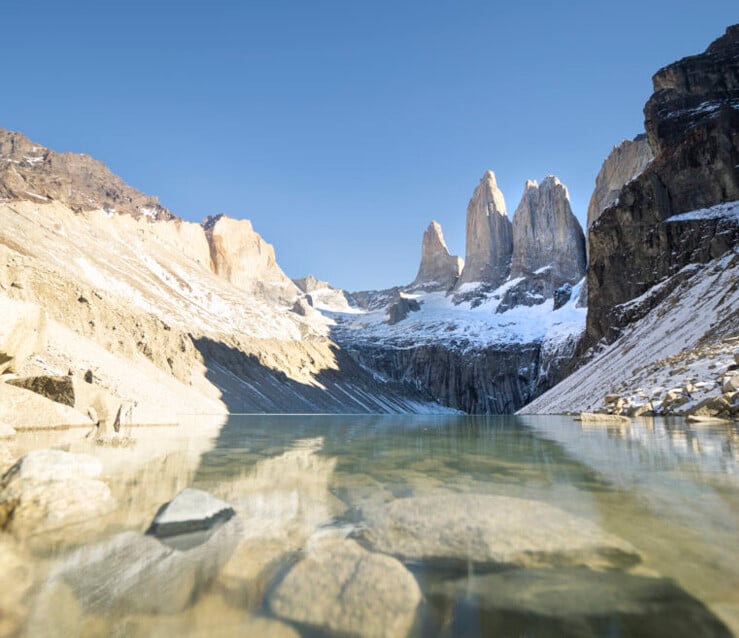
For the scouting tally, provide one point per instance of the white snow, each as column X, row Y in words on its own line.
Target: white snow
column 636, row 366
column 729, row 210
column 461, row 326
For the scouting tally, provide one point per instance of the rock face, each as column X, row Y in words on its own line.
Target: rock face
column 439, row 270
column 56, row 388
column 489, row 236
column 241, row 256
column 26, row 410
column 22, row 333
column 492, row 529
column 547, row 235
column 625, row 162
column 344, row 589
column 79, row 181
column 691, row 122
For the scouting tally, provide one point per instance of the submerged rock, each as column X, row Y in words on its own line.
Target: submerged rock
column 492, row 529
column 139, row 573
column 342, row 588
column 574, row 602
column 54, row 496
column 190, row 511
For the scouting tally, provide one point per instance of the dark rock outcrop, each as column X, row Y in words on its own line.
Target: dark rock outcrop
column 489, row 236
column 57, row 388
column 625, row 162
column 692, row 122
column 400, row 308
column 439, row 270
column 29, row 171
column 546, row 234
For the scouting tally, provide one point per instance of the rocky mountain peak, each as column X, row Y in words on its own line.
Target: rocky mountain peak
column 439, row 270
column 31, row 172
column 625, row 161
column 489, row 242
column 546, row 234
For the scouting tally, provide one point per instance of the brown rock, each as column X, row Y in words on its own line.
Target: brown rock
column 56, row 388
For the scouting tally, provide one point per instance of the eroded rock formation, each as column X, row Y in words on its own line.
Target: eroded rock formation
column 489, row 236
column 439, row 270
column 546, row 234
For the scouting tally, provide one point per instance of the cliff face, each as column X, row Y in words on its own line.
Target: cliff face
column 624, row 163
column 546, row 234
column 439, row 270
column 243, row 258
column 489, row 236
column 692, row 122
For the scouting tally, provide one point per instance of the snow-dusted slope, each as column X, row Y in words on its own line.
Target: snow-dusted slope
column 686, row 341
column 461, row 326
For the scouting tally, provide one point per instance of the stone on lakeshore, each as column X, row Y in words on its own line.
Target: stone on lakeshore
column 594, row 417
column 706, row 420
column 730, row 383
column 712, row 406
column 50, row 496
column 575, row 601
column 492, row 529
column 58, row 388
column 26, row 410
column 342, row 588
column 190, row 511
column 22, row 333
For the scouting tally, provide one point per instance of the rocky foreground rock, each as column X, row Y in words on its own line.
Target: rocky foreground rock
column 342, row 588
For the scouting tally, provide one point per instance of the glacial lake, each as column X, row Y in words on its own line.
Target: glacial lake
column 421, row 526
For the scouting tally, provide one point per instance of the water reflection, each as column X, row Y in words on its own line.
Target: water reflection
column 654, row 500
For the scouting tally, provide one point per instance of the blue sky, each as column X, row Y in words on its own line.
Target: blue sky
column 342, row 128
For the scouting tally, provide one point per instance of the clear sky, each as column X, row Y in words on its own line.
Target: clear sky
column 341, row 128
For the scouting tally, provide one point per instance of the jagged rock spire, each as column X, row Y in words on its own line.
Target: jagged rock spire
column 439, row 270
column 489, row 239
column 547, row 234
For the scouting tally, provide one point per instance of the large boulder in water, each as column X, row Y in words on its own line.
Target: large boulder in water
column 492, row 529
column 344, row 589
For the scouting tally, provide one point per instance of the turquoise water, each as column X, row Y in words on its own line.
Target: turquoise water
column 667, row 491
